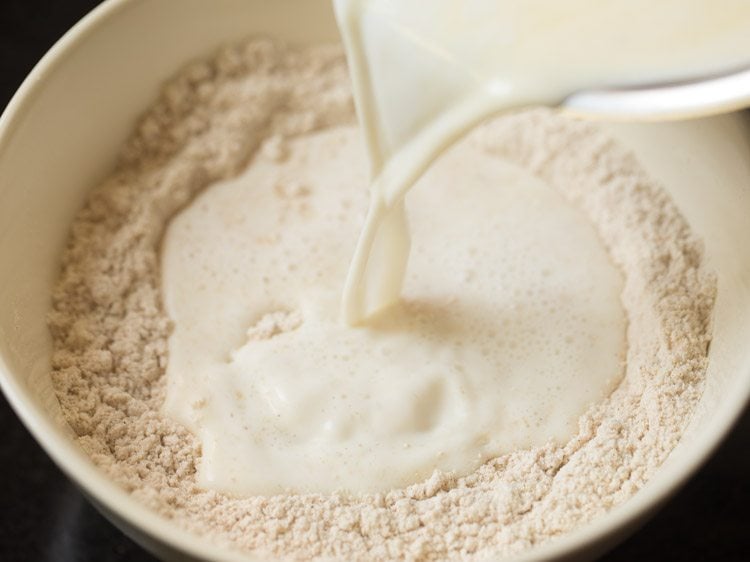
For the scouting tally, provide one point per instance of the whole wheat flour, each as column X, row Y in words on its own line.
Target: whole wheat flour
column 110, row 330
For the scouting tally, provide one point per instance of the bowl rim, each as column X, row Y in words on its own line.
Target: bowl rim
column 106, row 494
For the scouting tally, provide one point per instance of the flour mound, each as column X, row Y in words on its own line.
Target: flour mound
column 110, row 330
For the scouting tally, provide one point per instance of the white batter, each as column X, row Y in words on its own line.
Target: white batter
column 509, row 323
column 510, row 326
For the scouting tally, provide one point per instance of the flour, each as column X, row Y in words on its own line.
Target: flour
column 110, row 330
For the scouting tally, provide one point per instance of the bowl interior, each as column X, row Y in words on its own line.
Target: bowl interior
column 61, row 133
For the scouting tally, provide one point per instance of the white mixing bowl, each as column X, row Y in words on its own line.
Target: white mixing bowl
column 62, row 130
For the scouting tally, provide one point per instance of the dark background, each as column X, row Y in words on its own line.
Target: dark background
column 43, row 517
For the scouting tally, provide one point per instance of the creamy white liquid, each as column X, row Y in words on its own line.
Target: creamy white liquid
column 509, row 322
column 509, row 327
column 423, row 77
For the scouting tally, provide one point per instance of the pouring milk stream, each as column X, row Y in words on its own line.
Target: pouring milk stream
column 424, row 73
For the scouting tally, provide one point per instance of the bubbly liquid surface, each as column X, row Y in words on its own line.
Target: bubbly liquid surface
column 505, row 325
column 510, row 323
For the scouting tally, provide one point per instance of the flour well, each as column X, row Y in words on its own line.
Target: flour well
column 248, row 102
column 509, row 328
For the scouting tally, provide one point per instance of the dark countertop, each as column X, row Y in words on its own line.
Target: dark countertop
column 44, row 517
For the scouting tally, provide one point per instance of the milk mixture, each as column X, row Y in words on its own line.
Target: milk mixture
column 504, row 326
column 509, row 327
column 245, row 178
